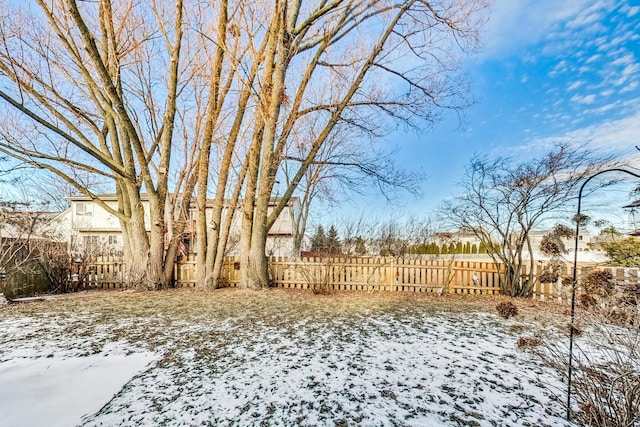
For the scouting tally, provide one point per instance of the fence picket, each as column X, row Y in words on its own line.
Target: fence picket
column 360, row 273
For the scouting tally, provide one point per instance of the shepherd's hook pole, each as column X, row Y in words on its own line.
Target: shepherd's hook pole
column 578, row 219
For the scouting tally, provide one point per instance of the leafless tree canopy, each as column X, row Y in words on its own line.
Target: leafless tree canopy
column 182, row 98
column 504, row 200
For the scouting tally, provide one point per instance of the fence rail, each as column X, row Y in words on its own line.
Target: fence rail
column 361, row 273
column 364, row 274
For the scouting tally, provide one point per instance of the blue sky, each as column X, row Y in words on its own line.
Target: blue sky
column 548, row 71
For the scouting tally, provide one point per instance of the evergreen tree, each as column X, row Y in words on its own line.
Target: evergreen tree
column 332, row 244
column 623, row 252
column 444, row 249
column 319, row 240
column 361, row 248
column 459, row 247
column 474, row 249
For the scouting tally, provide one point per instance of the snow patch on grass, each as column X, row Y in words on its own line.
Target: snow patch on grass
column 55, row 391
column 234, row 358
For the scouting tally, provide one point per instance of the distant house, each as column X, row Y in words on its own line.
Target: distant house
column 586, row 241
column 23, row 228
column 90, row 227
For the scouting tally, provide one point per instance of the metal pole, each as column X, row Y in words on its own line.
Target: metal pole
column 575, row 279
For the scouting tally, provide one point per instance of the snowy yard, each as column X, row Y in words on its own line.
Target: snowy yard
column 277, row 357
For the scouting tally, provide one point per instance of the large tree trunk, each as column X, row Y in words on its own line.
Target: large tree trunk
column 255, row 274
column 136, row 251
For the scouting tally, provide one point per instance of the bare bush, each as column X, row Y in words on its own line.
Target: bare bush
column 616, row 302
column 507, row 309
column 66, row 270
column 319, row 276
column 606, row 371
column 548, row 276
column 599, row 283
column 500, row 193
column 528, row 342
column 577, row 331
column 517, row 329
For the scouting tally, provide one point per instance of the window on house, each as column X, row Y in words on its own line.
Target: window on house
column 90, row 243
column 84, row 209
column 114, row 240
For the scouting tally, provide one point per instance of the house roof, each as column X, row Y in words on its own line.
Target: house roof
column 101, row 229
column 106, row 197
column 633, row 204
column 112, row 197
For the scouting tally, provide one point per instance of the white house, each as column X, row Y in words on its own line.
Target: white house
column 90, row 227
column 587, row 247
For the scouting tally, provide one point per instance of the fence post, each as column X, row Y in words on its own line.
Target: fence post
column 391, row 272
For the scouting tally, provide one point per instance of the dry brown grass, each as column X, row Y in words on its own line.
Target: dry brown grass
column 187, row 304
column 202, row 335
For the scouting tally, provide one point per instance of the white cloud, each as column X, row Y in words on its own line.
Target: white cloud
column 584, row 69
column 593, row 58
column 630, row 69
column 515, row 24
column 619, row 135
column 603, row 109
column 576, row 85
column 583, row 20
column 626, row 59
column 586, row 99
column 633, row 11
column 631, row 87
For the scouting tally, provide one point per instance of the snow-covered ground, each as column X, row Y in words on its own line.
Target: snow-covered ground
column 240, row 358
column 59, row 391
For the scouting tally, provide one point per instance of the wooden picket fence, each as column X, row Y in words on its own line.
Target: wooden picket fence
column 561, row 293
column 357, row 273
column 362, row 274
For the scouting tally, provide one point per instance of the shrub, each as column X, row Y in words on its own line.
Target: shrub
column 528, row 342
column 319, row 276
column 586, row 301
column 606, row 371
column 576, row 330
column 548, row 276
column 613, row 302
column 630, row 294
column 619, row 316
column 516, row 329
column 599, row 283
column 507, row 309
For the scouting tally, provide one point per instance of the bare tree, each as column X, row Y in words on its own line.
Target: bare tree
column 206, row 97
column 24, row 225
column 504, row 200
column 340, row 170
column 92, row 87
column 19, row 226
column 349, row 64
column 393, row 237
